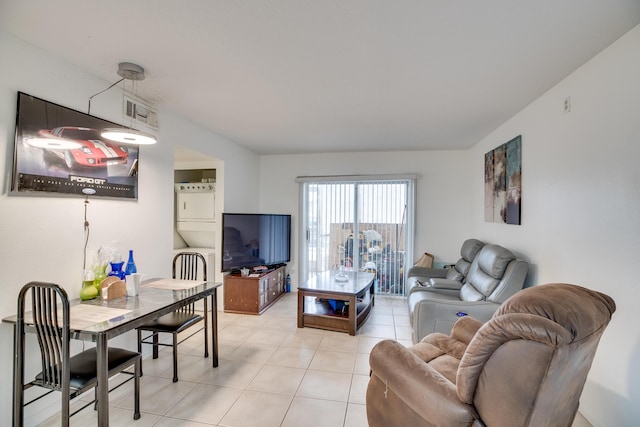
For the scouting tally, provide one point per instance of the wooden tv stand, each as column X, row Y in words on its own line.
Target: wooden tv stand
column 255, row 293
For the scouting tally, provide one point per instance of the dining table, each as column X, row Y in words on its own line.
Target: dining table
column 98, row 320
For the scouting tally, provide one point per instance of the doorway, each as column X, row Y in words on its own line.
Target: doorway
column 362, row 224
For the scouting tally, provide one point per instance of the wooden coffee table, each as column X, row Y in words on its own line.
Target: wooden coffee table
column 325, row 303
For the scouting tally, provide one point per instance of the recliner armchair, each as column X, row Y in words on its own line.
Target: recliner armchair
column 525, row 367
column 418, row 277
column 494, row 275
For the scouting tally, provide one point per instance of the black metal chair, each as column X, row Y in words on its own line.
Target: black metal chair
column 70, row 375
column 186, row 266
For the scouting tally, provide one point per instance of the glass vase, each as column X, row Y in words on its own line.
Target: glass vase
column 88, row 290
column 116, row 270
column 131, row 264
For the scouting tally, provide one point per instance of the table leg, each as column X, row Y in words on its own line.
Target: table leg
column 214, row 327
column 353, row 315
column 206, row 329
column 102, row 366
column 300, row 309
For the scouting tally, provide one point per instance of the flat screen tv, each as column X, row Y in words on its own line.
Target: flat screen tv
column 250, row 240
column 59, row 151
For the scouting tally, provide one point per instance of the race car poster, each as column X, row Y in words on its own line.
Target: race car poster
column 60, row 151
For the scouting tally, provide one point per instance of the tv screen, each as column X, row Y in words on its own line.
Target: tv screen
column 59, row 151
column 250, row 240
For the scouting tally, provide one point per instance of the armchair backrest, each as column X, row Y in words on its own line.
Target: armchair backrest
column 468, row 252
column 494, row 275
column 528, row 364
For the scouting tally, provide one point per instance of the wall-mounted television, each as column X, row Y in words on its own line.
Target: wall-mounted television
column 250, row 240
column 59, row 151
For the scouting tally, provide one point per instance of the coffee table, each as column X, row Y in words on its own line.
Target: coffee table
column 326, row 303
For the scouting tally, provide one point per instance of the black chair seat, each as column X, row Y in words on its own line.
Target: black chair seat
column 172, row 322
column 83, row 365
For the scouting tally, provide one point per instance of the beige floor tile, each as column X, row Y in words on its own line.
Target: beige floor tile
column 325, row 385
column 401, row 320
column 358, row 391
column 379, row 331
column 365, row 344
column 276, row 379
column 268, row 336
column 235, row 333
column 255, row 408
column 380, row 319
column 356, row 416
column 231, row 373
column 307, row 338
column 159, row 395
column 174, row 422
column 339, row 342
column 333, row 361
column 292, row 357
column 315, row 413
column 205, row 404
column 253, row 352
column 403, row 332
column 362, row 364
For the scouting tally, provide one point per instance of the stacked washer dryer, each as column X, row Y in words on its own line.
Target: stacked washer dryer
column 196, row 220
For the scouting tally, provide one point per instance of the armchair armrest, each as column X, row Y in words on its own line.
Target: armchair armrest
column 439, row 283
column 418, row 385
column 426, row 272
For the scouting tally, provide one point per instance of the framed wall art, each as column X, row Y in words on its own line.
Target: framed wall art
column 503, row 183
column 59, row 151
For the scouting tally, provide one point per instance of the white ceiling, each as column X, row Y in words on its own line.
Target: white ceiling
column 299, row 76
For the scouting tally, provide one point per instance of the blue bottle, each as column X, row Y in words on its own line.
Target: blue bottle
column 131, row 264
column 287, row 287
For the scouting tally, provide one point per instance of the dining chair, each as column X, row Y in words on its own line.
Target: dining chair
column 186, row 266
column 70, row 375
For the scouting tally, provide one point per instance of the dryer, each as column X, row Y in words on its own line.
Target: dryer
column 196, row 213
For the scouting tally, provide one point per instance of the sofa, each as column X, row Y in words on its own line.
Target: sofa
column 418, row 277
column 494, row 275
column 526, row 366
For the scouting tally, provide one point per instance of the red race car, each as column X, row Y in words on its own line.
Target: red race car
column 93, row 150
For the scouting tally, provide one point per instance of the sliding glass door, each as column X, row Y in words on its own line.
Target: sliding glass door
column 358, row 223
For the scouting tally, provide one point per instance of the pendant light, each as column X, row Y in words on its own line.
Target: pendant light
column 128, row 135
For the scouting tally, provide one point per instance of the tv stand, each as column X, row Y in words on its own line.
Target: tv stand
column 253, row 295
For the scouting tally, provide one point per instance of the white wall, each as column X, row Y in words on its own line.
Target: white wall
column 581, row 208
column 443, row 218
column 42, row 237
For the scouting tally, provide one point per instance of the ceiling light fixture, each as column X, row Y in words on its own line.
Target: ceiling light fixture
column 127, row 135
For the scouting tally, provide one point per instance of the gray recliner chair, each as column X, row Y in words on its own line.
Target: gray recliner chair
column 418, row 277
column 494, row 275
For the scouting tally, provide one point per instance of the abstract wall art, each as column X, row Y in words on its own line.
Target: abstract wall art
column 503, row 183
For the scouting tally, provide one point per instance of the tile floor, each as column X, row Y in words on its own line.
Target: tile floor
column 270, row 374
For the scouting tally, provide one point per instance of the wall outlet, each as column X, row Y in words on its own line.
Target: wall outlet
column 567, row 104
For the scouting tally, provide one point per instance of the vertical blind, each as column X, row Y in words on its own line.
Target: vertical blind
column 360, row 225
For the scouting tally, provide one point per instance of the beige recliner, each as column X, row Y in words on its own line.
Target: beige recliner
column 525, row 367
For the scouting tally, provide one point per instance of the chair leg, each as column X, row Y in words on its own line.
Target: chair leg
column 155, row 345
column 65, row 413
column 175, row 358
column 136, row 388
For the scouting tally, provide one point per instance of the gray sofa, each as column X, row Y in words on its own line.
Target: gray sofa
column 494, row 275
column 417, row 277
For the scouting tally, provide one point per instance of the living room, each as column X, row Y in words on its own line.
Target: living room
column 580, row 209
